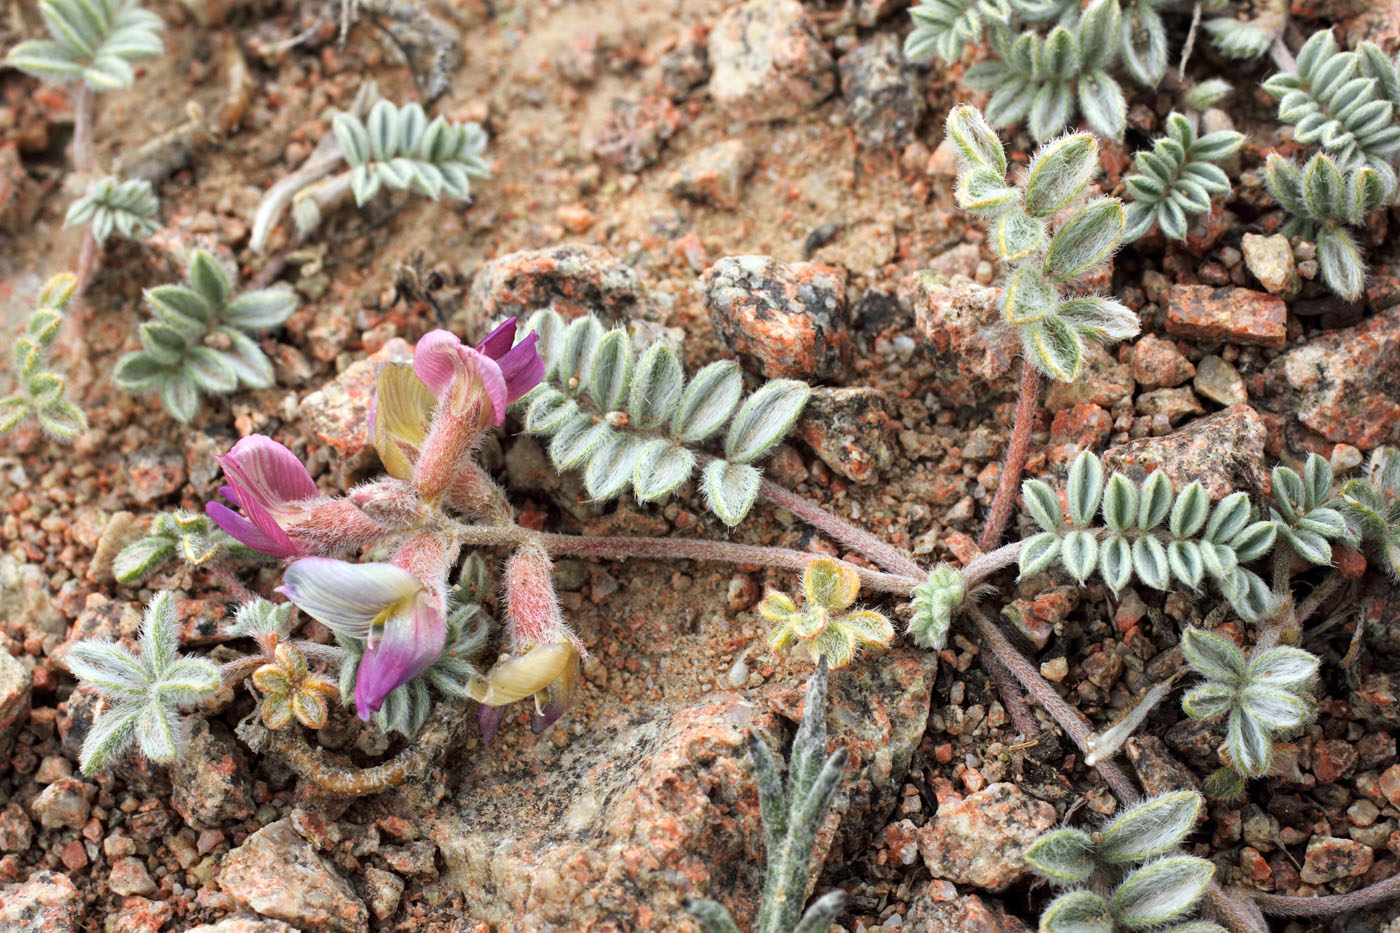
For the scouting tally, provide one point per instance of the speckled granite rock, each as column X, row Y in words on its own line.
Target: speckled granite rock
column 768, row 61
column 714, row 174
column 1344, row 385
column 278, row 874
column 338, row 412
column 639, row 814
column 16, row 686
column 244, row 925
column 46, row 903
column 1225, row 451
column 939, row 908
column 210, row 781
column 574, row 280
column 850, row 430
column 981, row 839
column 885, row 99
column 784, row 319
column 961, row 322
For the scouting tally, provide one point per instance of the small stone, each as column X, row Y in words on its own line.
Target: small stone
column 64, row 803
column 383, row 888
column 787, row 320
column 960, row 321
column 46, row 903
column 743, row 592
column 1331, row 857
column 714, row 174
column 338, row 412
column 129, row 876
column 1345, row 457
column 885, row 101
column 278, row 874
column 1231, row 315
column 1102, row 381
column 574, row 280
column 1345, row 385
column 1156, row 767
column 767, row 61
column 1158, row 364
column 416, row 858
column 1270, row 258
column 1055, row 669
column 1172, row 404
column 1333, row 759
column 849, row 429
column 142, row 915
column 1390, row 785
column 16, row 831
column 1362, row 813
column 1079, row 427
column 210, row 779
column 1220, row 382
column 16, row 688
column 1225, row 451
column 244, row 925
column 981, row 840
column 156, row 472
column 635, row 131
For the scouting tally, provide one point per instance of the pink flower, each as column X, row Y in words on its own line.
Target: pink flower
column 507, row 370
column 274, row 490
column 399, row 618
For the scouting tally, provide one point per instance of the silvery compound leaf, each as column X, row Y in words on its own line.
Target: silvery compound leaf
column 764, row 419
column 730, row 489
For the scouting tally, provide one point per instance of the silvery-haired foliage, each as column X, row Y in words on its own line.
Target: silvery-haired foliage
column 200, row 338
column 145, row 691
column 1305, row 511
column 94, row 41
column 1039, row 266
column 191, row 536
column 791, row 818
column 632, row 421
column 1131, row 880
column 1371, row 506
column 1263, row 698
column 935, row 600
column 1244, row 38
column 1175, row 180
column 110, row 205
column 1208, row 93
column 399, row 148
column 1142, row 40
column 1196, row 540
column 407, row 706
column 1323, row 201
column 1045, row 80
column 1344, row 102
column 43, row 394
column 944, row 28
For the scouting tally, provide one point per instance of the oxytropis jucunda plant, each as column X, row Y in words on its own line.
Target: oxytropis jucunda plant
column 91, row 47
column 200, row 339
column 41, row 393
column 791, row 814
column 1345, row 104
column 1127, row 875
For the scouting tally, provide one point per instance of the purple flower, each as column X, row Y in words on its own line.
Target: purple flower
column 507, row 370
column 390, row 608
column 274, row 490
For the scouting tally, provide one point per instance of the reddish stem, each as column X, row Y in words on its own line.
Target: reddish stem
column 838, row 529
column 1016, row 450
column 1281, row 906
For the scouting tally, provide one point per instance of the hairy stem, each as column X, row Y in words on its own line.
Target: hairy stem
column 1011, row 696
column 82, row 130
column 984, row 565
column 1308, row 607
column 674, row 549
column 440, row 732
column 1282, row 906
column 1044, row 693
column 838, row 529
column 1016, row 450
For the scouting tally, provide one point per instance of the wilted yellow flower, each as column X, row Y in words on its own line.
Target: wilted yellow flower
column 822, row 624
column 290, row 689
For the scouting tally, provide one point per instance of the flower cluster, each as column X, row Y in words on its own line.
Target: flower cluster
column 427, row 420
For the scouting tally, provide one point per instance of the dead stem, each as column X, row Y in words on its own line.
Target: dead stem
column 440, row 732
